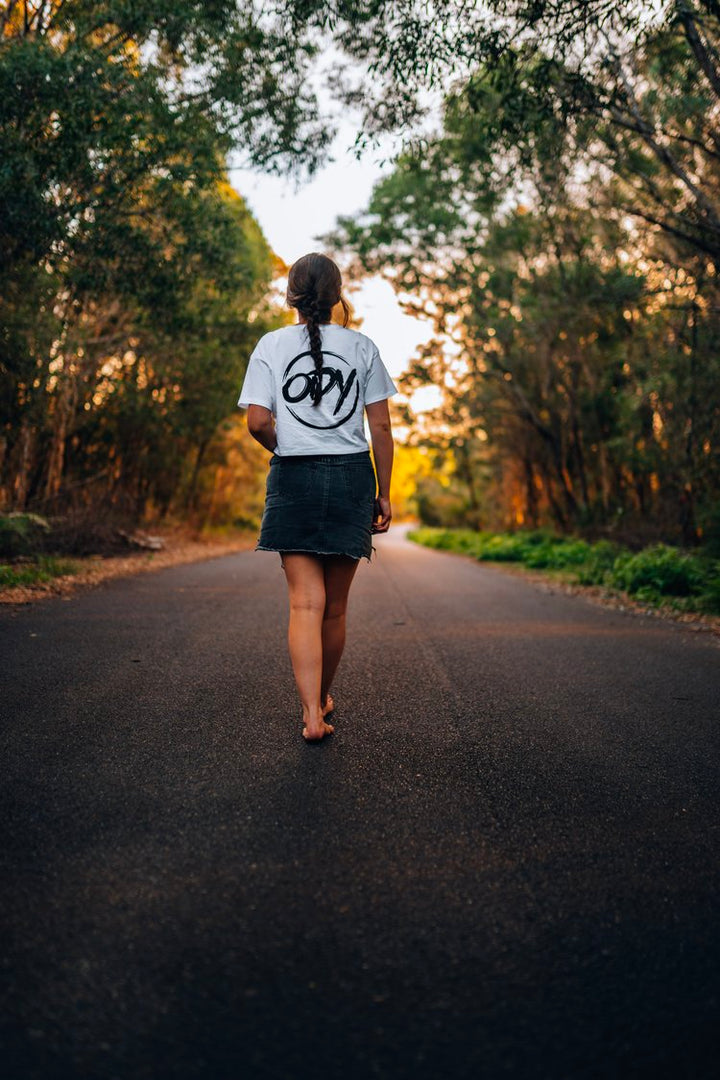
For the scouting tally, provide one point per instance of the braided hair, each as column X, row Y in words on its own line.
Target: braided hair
column 314, row 288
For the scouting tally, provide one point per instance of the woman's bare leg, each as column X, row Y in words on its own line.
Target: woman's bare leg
column 306, row 588
column 339, row 573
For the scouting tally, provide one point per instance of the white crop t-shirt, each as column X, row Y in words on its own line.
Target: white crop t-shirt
column 281, row 374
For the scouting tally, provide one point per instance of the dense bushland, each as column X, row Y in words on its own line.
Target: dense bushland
column 657, row 574
column 560, row 228
column 133, row 279
column 561, row 231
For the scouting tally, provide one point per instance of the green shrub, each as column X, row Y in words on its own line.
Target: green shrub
column 44, row 568
column 22, row 534
column 501, row 547
column 432, row 538
column 598, row 568
column 559, row 553
column 665, row 570
column 659, row 574
column 539, row 536
column 709, row 602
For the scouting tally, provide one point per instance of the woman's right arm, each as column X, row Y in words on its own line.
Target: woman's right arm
column 261, row 425
column 378, row 415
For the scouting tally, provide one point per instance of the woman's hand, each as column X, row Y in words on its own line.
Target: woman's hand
column 382, row 515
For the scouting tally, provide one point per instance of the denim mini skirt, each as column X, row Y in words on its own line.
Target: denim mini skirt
column 321, row 504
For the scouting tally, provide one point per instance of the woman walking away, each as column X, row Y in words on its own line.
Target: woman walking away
column 306, row 390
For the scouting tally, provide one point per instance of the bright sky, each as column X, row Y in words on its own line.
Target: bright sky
column 292, row 217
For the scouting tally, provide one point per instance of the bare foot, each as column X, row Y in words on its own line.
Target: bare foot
column 329, row 706
column 318, row 729
column 317, row 734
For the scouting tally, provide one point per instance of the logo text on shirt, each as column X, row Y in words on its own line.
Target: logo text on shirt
column 301, row 384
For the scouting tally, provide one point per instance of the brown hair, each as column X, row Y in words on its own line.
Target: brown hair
column 314, row 288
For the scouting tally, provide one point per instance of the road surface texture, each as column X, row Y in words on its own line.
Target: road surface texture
column 504, row 863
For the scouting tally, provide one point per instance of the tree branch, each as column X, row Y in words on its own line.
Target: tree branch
column 6, row 16
column 699, row 49
column 694, row 239
column 647, row 132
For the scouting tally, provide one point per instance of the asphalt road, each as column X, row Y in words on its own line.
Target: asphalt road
column 504, row 863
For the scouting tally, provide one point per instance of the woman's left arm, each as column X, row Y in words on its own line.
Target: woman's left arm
column 261, row 425
column 378, row 415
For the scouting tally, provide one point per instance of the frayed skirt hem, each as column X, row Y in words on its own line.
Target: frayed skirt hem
column 313, row 551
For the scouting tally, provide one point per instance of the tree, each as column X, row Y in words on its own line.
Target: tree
column 575, row 339
column 115, row 122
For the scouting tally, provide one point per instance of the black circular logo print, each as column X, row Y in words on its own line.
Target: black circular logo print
column 340, row 386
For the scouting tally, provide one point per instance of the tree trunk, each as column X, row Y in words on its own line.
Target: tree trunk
column 4, row 492
column 577, row 441
column 687, row 506
column 192, row 487
column 555, row 507
column 24, row 451
column 604, row 479
column 64, row 409
column 531, row 499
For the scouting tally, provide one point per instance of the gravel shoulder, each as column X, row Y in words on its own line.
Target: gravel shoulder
column 94, row 569
column 620, row 602
column 554, row 582
column 180, row 548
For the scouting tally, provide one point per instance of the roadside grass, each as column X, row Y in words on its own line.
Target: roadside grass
column 37, row 570
column 33, row 573
column 659, row 575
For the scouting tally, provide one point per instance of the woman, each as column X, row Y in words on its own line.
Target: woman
column 305, row 390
